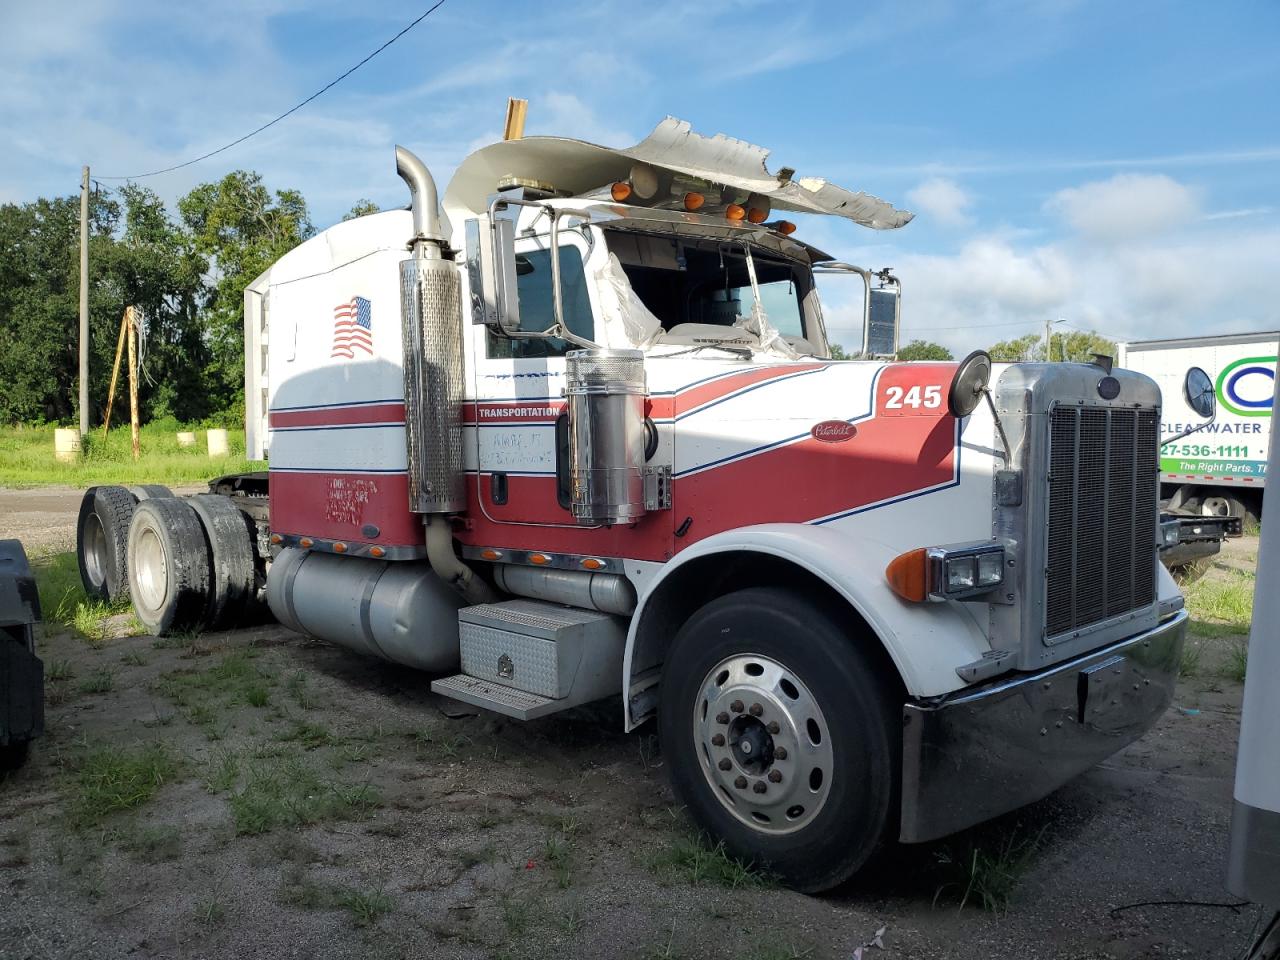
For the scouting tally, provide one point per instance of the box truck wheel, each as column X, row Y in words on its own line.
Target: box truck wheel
column 168, row 566
column 781, row 736
column 230, row 535
column 102, row 536
column 1226, row 506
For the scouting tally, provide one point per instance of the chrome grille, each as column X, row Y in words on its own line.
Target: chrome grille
column 1102, row 515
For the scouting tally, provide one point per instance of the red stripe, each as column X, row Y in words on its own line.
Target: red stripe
column 338, row 416
column 661, row 408
column 894, row 454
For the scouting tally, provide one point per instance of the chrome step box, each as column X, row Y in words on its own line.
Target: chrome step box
column 531, row 657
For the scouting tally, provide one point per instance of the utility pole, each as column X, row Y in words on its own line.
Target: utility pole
column 84, row 302
column 1048, row 337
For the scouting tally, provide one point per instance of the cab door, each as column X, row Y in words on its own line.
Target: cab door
column 517, row 407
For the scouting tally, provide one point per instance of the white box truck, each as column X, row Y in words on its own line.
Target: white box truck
column 1219, row 470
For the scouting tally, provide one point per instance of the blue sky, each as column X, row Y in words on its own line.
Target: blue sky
column 1115, row 164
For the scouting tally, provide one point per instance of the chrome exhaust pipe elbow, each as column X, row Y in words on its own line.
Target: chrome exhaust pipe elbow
column 424, row 202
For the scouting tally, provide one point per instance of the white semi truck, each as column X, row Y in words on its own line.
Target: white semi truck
column 1220, row 469
column 574, row 433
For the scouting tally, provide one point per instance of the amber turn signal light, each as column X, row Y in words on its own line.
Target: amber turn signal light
column 734, row 212
column 906, row 574
column 620, row 191
column 756, row 215
column 692, row 201
column 786, row 227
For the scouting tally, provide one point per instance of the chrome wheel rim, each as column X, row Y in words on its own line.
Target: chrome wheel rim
column 763, row 743
column 95, row 550
column 151, row 569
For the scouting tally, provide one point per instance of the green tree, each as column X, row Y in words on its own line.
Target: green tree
column 162, row 275
column 839, row 353
column 924, row 350
column 1078, row 346
column 40, row 305
column 1030, row 347
column 362, row 208
column 242, row 228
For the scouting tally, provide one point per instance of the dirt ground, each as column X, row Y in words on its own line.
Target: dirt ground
column 283, row 798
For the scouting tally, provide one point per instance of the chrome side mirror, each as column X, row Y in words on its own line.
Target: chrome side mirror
column 491, row 272
column 1198, row 390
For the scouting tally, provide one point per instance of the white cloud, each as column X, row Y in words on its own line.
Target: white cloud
column 1127, row 206
column 998, row 287
column 942, row 199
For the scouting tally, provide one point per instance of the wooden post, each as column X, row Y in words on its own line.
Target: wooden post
column 115, row 372
column 133, row 379
column 516, row 110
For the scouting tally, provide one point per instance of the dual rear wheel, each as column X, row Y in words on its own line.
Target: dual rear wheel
column 186, row 563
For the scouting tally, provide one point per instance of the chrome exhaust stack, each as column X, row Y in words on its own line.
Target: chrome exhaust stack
column 431, row 328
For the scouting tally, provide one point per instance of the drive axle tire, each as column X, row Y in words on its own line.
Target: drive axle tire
column 168, row 566
column 230, row 535
column 102, row 538
column 782, row 736
column 149, row 491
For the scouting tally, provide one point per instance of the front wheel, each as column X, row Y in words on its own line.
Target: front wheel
column 781, row 736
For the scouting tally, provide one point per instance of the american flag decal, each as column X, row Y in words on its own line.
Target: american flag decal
column 352, row 328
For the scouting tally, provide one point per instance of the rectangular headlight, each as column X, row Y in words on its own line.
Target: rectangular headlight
column 964, row 571
column 990, row 568
column 1169, row 533
column 961, row 574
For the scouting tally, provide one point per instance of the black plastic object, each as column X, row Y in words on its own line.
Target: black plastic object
column 21, row 672
column 970, row 381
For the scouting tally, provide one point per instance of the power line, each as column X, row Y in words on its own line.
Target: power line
column 293, row 109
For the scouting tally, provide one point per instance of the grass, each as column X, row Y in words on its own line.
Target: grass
column 113, row 778
column 1226, row 603
column 365, row 906
column 100, row 681
column 153, row 844
column 1189, row 665
column 985, row 873
column 210, row 913
column 26, row 458
column 64, row 602
column 1237, row 662
column 204, row 696
column 59, row 670
column 690, row 858
column 290, row 793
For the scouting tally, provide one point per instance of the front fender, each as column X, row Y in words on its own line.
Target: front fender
column 926, row 641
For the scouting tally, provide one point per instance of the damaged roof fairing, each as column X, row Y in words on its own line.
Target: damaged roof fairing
column 577, row 167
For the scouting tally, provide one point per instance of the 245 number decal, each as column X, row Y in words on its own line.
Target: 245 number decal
column 929, row 397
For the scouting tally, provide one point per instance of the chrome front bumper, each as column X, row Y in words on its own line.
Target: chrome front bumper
column 983, row 752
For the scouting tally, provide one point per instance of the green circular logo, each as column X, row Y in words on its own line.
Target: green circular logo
column 1247, row 387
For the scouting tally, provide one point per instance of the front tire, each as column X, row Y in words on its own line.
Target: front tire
column 782, row 736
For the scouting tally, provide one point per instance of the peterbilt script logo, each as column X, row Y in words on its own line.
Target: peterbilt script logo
column 833, row 431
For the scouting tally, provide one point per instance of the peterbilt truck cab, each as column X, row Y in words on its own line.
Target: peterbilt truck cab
column 573, row 432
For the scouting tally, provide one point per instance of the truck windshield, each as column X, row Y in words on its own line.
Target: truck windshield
column 683, row 280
